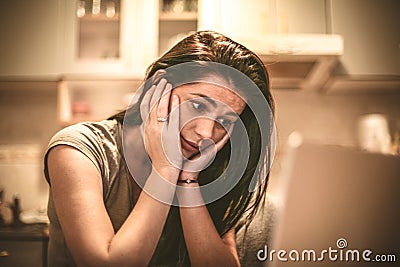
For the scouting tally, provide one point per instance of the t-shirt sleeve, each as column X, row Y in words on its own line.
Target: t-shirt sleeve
column 95, row 140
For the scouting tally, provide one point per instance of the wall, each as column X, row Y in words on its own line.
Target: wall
column 28, row 115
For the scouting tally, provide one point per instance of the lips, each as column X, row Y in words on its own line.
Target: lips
column 189, row 146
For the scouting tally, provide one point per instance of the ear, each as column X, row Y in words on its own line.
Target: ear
column 158, row 75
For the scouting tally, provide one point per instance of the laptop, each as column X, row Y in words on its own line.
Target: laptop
column 339, row 207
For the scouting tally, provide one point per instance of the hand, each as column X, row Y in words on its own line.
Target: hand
column 208, row 150
column 161, row 128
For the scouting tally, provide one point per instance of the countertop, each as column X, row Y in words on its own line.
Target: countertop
column 25, row 232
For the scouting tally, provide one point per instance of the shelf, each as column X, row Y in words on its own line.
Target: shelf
column 99, row 18
column 173, row 27
column 93, row 100
column 184, row 16
column 363, row 83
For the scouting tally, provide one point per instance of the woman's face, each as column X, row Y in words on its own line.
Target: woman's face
column 206, row 110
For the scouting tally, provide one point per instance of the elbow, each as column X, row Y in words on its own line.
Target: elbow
column 109, row 258
column 108, row 263
column 93, row 260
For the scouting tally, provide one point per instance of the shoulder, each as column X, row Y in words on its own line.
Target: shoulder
column 98, row 141
column 95, row 131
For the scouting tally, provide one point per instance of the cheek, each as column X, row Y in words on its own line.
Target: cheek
column 189, row 129
column 219, row 132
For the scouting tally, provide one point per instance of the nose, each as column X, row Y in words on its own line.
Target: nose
column 204, row 128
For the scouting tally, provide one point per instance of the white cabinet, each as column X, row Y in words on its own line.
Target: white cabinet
column 304, row 16
column 97, row 87
column 176, row 20
column 247, row 20
column 94, row 46
column 47, row 37
column 31, row 37
column 371, row 32
column 286, row 34
column 147, row 28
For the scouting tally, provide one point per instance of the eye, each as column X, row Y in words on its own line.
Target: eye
column 225, row 122
column 198, row 106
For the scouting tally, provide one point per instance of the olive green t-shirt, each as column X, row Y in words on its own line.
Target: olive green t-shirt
column 101, row 143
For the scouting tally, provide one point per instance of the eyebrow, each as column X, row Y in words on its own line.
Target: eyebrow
column 213, row 103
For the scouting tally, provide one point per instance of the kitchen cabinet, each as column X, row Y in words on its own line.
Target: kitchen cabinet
column 176, row 20
column 127, row 42
column 245, row 21
column 290, row 36
column 31, row 37
column 122, row 43
column 53, row 37
column 21, row 253
column 97, row 87
column 371, row 30
column 24, row 245
column 305, row 16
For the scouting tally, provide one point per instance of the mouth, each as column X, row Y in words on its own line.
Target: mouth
column 189, row 146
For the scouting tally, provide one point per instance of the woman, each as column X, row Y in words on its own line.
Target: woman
column 144, row 187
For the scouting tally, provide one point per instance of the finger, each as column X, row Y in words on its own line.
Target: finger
column 164, row 102
column 145, row 104
column 170, row 135
column 208, row 151
column 174, row 116
column 157, row 93
column 224, row 139
column 205, row 144
column 202, row 160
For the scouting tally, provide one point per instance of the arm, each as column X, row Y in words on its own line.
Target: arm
column 78, row 197
column 205, row 246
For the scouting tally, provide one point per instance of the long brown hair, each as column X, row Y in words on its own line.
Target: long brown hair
column 208, row 46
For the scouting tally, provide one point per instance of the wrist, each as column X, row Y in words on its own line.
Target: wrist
column 168, row 173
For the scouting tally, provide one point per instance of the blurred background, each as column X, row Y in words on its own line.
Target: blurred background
column 334, row 68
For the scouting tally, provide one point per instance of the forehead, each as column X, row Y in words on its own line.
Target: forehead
column 216, row 92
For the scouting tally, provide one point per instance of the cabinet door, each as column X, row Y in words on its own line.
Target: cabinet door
column 304, row 16
column 22, row 253
column 371, row 32
column 246, row 21
column 136, row 44
column 30, row 37
column 176, row 20
column 241, row 20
